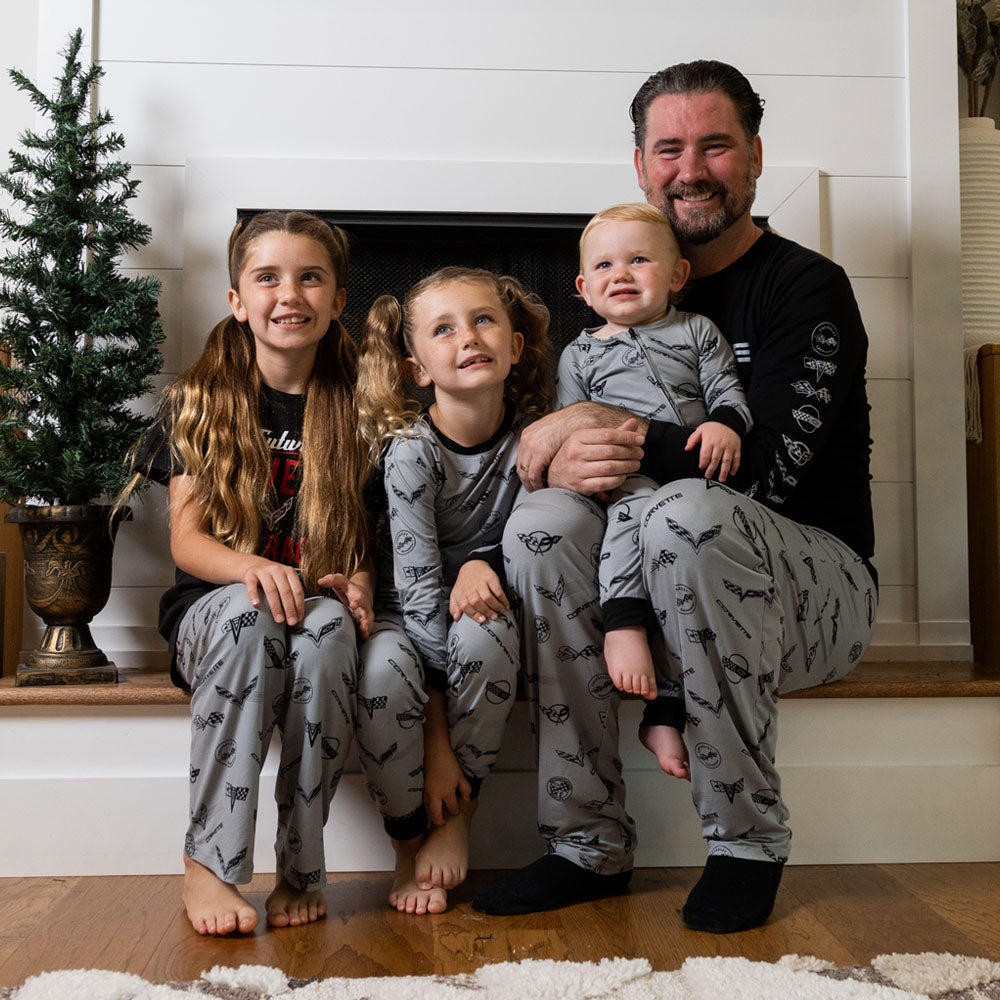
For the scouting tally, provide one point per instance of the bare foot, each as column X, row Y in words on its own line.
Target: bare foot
column 667, row 745
column 630, row 663
column 405, row 895
column 443, row 861
column 290, row 907
column 214, row 906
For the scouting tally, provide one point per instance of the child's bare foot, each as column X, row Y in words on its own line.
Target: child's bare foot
column 405, row 895
column 291, row 907
column 443, row 861
column 667, row 745
column 630, row 663
column 214, row 906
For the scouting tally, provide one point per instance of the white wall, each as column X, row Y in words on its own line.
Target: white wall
column 862, row 90
column 18, row 44
column 849, row 88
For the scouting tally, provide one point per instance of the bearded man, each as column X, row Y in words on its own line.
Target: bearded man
column 758, row 587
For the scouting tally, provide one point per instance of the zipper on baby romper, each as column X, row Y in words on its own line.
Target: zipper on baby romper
column 637, row 340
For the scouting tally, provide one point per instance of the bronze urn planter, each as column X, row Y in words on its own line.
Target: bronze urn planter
column 79, row 347
column 67, row 581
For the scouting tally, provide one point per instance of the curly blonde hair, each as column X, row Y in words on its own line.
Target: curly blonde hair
column 384, row 409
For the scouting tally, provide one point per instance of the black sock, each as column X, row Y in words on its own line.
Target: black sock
column 545, row 884
column 733, row 894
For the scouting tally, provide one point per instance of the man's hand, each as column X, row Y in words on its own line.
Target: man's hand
column 543, row 440
column 720, row 448
column 595, row 461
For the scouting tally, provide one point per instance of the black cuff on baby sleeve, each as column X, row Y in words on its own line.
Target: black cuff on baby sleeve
column 729, row 417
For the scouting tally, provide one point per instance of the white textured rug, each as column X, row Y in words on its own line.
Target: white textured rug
column 889, row 977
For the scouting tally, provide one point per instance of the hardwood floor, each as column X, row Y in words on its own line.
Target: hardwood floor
column 845, row 914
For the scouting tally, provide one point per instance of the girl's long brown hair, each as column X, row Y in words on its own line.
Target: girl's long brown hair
column 383, row 380
column 213, row 409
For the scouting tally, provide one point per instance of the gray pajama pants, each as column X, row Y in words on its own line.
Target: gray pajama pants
column 620, row 571
column 483, row 661
column 249, row 676
column 750, row 605
column 481, row 679
column 552, row 547
column 391, row 727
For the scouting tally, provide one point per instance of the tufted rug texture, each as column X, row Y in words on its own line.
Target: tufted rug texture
column 889, row 977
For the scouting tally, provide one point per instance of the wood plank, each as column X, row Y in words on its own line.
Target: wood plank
column 181, row 954
column 983, row 503
column 930, row 679
column 27, row 902
column 845, row 914
column 963, row 894
column 871, row 913
column 113, row 923
column 25, row 905
column 133, row 688
column 791, row 928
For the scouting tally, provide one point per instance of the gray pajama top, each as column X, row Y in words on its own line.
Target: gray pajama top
column 679, row 369
column 447, row 504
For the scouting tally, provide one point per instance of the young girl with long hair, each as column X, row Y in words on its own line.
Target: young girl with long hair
column 480, row 341
column 248, row 440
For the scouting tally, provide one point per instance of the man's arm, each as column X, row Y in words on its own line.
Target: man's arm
column 805, row 369
column 587, row 447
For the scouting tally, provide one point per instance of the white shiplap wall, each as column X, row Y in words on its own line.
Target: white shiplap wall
column 551, row 84
column 862, row 90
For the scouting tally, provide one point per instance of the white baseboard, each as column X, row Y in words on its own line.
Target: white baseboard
column 103, row 791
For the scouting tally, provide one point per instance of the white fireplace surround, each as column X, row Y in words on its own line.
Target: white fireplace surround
column 216, row 187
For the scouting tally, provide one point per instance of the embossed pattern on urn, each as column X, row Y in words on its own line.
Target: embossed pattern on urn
column 67, row 581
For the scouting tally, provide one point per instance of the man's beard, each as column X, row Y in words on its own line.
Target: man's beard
column 706, row 226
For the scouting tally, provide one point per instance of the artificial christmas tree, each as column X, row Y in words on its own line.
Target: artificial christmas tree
column 84, row 341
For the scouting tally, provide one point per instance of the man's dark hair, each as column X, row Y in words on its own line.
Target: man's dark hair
column 701, row 77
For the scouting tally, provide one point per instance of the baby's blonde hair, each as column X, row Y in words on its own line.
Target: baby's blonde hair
column 631, row 211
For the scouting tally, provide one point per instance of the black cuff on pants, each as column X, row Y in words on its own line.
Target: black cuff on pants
column 406, row 827
column 436, row 678
column 665, row 710
column 621, row 612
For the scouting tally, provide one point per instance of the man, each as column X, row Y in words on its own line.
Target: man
column 755, row 592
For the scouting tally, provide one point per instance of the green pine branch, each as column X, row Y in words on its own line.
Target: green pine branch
column 84, row 337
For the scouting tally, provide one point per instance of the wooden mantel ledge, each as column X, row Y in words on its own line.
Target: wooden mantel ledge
column 869, row 680
column 133, row 688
